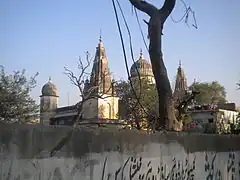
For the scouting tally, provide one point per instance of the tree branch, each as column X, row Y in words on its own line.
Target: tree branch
column 166, row 9
column 144, row 6
column 79, row 80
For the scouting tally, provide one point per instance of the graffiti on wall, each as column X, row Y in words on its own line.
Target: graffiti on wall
column 133, row 168
column 136, row 168
column 215, row 173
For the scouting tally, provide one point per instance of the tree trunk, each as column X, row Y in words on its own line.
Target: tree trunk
column 166, row 108
column 167, row 118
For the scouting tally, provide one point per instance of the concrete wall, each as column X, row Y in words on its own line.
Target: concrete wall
column 113, row 154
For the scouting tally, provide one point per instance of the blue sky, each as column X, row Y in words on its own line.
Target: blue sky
column 44, row 36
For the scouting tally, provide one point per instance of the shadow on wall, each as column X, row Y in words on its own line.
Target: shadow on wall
column 30, row 139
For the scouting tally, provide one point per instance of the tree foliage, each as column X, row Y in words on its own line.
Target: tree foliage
column 140, row 109
column 16, row 104
column 210, row 93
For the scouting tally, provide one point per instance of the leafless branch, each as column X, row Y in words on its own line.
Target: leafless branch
column 86, row 94
column 166, row 9
column 71, row 76
column 185, row 16
column 79, row 80
column 144, row 6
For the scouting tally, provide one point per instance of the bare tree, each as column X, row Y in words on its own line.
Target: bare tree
column 81, row 81
column 78, row 81
column 86, row 93
column 167, row 118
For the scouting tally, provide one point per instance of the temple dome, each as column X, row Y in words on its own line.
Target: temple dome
column 143, row 66
column 49, row 89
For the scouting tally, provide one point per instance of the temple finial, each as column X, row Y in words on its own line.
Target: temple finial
column 100, row 37
column 141, row 54
column 180, row 63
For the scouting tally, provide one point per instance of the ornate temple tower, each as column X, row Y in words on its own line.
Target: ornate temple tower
column 100, row 80
column 180, row 84
column 100, row 75
column 48, row 102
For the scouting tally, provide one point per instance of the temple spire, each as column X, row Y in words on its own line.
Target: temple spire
column 100, row 37
column 180, row 63
column 100, row 75
column 141, row 54
column 194, row 81
column 181, row 82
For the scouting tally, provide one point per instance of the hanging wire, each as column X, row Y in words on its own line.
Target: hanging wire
column 124, row 52
column 140, row 28
column 132, row 56
column 131, row 50
column 130, row 41
column 186, row 15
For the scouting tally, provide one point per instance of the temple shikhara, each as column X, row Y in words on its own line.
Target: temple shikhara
column 181, row 83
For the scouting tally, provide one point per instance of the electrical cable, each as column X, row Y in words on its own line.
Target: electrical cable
column 131, row 50
column 140, row 28
column 132, row 56
column 124, row 53
column 186, row 15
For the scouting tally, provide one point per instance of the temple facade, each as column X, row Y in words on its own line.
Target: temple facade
column 103, row 105
column 100, row 85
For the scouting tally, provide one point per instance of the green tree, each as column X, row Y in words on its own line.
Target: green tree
column 16, row 105
column 209, row 93
column 137, row 106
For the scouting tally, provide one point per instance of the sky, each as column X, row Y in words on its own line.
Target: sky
column 44, row 36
